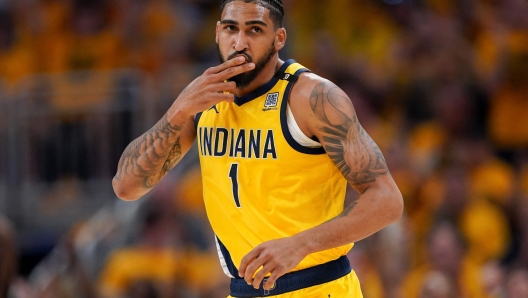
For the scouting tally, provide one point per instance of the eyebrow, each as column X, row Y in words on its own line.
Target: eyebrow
column 254, row 22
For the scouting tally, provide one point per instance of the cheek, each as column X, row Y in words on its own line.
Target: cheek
column 259, row 49
column 224, row 42
column 223, row 47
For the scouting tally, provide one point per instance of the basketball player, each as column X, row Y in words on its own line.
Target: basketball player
column 277, row 145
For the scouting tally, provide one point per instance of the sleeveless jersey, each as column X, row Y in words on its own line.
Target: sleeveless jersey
column 259, row 184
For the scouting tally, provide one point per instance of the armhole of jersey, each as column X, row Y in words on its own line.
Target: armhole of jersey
column 197, row 119
column 296, row 132
column 284, row 122
column 228, row 266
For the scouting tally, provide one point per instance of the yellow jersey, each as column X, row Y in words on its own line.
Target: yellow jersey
column 259, row 184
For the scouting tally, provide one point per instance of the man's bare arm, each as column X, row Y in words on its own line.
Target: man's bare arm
column 330, row 116
column 150, row 157
column 361, row 162
column 346, row 142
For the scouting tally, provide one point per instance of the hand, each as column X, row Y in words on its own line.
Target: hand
column 211, row 87
column 277, row 257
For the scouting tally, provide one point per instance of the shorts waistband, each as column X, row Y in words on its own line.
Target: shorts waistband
column 294, row 280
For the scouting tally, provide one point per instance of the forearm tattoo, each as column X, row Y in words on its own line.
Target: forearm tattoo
column 346, row 142
column 153, row 154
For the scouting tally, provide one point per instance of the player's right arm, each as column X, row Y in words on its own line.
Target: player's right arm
column 147, row 159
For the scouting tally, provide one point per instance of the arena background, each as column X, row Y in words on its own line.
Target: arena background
column 441, row 86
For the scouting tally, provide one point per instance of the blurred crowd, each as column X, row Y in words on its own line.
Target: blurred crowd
column 440, row 85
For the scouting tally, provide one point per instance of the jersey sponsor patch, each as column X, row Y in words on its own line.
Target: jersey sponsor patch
column 271, row 102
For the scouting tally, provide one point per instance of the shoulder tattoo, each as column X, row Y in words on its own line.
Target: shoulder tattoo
column 346, row 142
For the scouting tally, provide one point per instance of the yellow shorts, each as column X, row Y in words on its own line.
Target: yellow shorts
column 346, row 286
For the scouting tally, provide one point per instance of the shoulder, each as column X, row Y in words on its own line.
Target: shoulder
column 306, row 83
column 314, row 99
column 310, row 87
column 312, row 94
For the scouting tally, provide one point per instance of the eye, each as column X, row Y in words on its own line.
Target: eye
column 230, row 28
column 256, row 29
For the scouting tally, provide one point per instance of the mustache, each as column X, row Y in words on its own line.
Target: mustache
column 237, row 53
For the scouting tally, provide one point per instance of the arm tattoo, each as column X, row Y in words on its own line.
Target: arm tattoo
column 349, row 208
column 153, row 154
column 170, row 162
column 346, row 142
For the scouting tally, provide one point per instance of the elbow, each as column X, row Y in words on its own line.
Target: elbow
column 396, row 205
column 122, row 192
column 390, row 204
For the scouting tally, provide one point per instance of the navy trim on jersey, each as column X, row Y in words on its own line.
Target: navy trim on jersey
column 294, row 281
column 196, row 120
column 264, row 88
column 284, row 122
column 227, row 257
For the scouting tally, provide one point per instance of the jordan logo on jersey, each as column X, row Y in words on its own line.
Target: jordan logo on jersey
column 272, row 99
column 245, row 143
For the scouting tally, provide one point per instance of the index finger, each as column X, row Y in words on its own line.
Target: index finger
column 229, row 63
column 246, row 260
column 233, row 71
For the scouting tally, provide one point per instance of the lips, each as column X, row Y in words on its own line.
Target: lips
column 242, row 55
column 245, row 57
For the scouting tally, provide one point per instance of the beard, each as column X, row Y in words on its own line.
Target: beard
column 244, row 79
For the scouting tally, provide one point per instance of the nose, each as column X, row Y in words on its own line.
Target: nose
column 240, row 44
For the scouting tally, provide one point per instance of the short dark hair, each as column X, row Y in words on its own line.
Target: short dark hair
column 276, row 11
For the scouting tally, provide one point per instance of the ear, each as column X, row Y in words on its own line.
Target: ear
column 280, row 39
column 217, row 28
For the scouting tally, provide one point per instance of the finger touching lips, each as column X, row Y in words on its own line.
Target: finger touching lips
column 246, row 57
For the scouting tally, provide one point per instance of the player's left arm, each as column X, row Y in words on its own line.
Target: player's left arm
column 324, row 110
column 333, row 120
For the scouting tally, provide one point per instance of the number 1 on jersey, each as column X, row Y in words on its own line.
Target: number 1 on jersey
column 233, row 174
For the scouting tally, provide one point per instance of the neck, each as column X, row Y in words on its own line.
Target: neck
column 267, row 73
